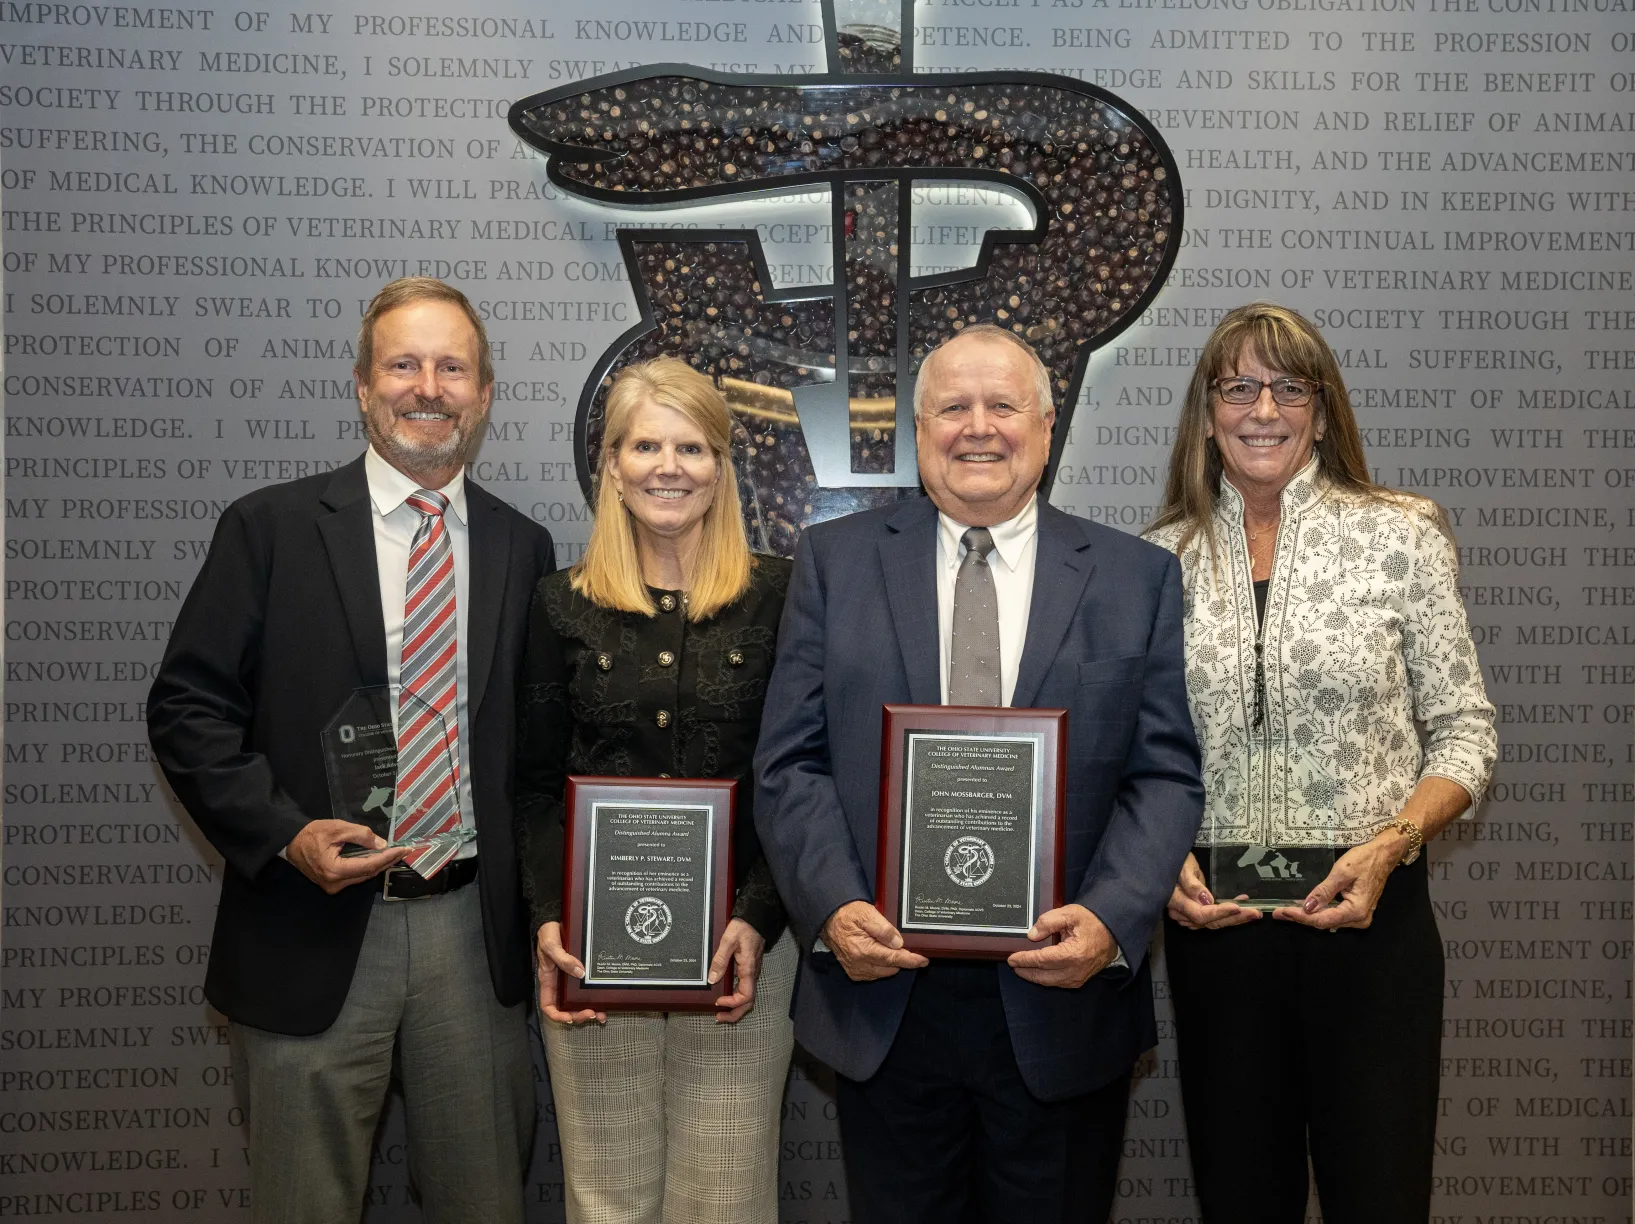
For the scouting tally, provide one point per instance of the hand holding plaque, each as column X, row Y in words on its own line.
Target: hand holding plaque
column 971, row 832
column 866, row 944
column 1083, row 948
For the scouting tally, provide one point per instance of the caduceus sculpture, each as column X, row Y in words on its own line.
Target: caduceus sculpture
column 821, row 379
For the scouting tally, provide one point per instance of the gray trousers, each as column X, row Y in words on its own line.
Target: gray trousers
column 673, row 1118
column 420, row 995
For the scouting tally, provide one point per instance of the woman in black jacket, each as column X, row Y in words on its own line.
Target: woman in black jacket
column 650, row 659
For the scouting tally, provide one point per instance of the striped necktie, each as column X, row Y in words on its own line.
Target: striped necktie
column 427, row 804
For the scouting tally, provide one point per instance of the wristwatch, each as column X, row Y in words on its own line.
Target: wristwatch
column 1414, row 834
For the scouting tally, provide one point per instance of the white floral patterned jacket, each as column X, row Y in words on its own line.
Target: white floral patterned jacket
column 1370, row 676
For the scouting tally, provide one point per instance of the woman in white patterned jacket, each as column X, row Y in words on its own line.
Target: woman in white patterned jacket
column 1338, row 700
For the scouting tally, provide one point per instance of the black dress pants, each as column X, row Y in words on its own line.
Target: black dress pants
column 1290, row 1037
column 946, row 1132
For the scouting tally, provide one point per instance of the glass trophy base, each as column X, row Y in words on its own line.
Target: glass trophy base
column 455, row 837
column 1267, row 877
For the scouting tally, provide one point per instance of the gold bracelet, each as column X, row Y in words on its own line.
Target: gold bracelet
column 1414, row 834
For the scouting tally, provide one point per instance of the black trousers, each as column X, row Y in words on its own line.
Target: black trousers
column 946, row 1132
column 1294, row 1040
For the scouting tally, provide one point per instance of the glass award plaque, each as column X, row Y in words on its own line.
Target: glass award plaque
column 971, row 832
column 647, row 891
column 360, row 758
column 1240, row 867
column 1267, row 877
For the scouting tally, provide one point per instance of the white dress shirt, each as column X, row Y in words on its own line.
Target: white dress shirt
column 395, row 524
column 1015, row 544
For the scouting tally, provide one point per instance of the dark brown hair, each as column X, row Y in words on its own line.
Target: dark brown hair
column 1286, row 341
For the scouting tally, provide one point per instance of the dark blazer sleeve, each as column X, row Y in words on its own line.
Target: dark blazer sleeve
column 758, row 903
column 544, row 550
column 546, row 728
column 802, row 827
column 200, row 706
column 1160, row 795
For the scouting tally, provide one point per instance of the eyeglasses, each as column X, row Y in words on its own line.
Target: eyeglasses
column 959, row 413
column 1286, row 392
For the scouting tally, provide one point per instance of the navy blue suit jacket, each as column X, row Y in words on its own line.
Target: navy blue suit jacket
column 1103, row 642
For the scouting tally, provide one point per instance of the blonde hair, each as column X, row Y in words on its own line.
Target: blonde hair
column 610, row 572
column 403, row 292
column 1283, row 340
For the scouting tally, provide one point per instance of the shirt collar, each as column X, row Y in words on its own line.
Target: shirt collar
column 1301, row 490
column 1010, row 538
column 390, row 488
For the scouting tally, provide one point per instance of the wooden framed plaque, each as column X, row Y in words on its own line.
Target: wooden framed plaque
column 647, row 891
column 971, row 840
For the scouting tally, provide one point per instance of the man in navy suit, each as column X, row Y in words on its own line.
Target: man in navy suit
column 973, row 1090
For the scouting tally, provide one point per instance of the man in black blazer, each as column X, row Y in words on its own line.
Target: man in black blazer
column 340, row 972
column 971, row 1090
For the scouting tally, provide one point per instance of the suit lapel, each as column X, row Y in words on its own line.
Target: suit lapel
column 489, row 544
column 349, row 538
column 908, row 558
column 1061, row 567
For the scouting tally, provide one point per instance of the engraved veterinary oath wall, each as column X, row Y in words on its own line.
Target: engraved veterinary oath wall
column 199, row 201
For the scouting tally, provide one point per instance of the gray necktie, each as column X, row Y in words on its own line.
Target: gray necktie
column 973, row 661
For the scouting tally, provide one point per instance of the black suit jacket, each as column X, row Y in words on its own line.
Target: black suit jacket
column 282, row 624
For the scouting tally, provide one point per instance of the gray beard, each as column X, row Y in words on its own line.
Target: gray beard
column 406, row 456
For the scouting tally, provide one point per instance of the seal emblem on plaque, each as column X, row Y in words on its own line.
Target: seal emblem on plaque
column 968, row 861
column 648, row 920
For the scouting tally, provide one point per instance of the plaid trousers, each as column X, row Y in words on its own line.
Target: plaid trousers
column 671, row 1118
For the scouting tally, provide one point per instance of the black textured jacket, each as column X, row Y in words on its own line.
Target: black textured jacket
column 627, row 695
